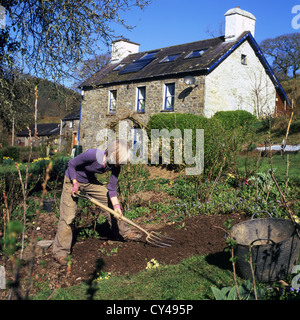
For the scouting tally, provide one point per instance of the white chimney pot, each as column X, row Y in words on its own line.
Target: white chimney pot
column 238, row 21
column 122, row 48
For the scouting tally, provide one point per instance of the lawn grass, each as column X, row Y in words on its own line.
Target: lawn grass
column 279, row 165
column 189, row 280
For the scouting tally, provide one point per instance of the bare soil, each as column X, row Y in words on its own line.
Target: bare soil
column 200, row 235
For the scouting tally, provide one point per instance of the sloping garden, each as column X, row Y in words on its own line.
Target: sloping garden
column 197, row 211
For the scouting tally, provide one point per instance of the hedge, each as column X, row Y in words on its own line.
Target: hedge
column 235, row 119
column 189, row 121
column 220, row 143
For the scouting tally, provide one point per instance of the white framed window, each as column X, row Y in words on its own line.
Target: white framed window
column 112, row 101
column 141, row 99
column 169, row 96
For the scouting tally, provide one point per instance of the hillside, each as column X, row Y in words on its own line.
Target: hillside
column 55, row 101
column 292, row 88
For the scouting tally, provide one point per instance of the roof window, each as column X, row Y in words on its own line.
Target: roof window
column 149, row 55
column 120, row 66
column 170, row 57
column 195, row 53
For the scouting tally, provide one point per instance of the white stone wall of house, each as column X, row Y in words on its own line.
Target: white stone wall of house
column 240, row 83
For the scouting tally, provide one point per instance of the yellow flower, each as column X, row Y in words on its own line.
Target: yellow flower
column 152, row 264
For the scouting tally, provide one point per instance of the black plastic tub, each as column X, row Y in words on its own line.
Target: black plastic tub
column 274, row 248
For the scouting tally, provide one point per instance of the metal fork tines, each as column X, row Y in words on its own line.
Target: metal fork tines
column 159, row 240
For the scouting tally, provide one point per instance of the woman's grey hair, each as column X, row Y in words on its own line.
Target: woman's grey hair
column 118, row 152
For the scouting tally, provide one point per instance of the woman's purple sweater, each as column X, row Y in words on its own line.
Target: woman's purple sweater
column 85, row 165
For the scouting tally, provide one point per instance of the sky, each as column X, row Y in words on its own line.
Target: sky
column 170, row 22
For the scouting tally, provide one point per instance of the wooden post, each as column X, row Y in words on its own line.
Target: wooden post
column 35, row 111
column 13, row 132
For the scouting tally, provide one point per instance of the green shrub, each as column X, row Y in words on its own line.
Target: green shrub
column 181, row 121
column 225, row 134
column 213, row 137
column 235, row 119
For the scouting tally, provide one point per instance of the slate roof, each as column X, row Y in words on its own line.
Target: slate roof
column 43, row 129
column 217, row 51
column 216, row 48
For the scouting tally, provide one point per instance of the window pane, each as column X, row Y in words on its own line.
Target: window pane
column 149, row 55
column 196, row 53
column 170, row 57
column 170, row 89
column 169, row 96
column 112, row 101
column 141, row 99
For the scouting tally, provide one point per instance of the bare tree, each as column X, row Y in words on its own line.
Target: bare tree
column 216, row 33
column 50, row 38
column 261, row 95
column 285, row 54
column 89, row 67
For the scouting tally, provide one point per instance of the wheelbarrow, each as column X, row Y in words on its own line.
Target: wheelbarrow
column 154, row 238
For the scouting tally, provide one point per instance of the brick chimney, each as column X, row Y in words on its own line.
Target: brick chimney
column 122, row 48
column 236, row 22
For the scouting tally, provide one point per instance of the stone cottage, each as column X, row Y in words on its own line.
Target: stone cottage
column 203, row 77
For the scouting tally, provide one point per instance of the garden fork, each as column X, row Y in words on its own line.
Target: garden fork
column 154, row 238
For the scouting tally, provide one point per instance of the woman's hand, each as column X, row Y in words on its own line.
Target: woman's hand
column 118, row 210
column 116, row 205
column 75, row 186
